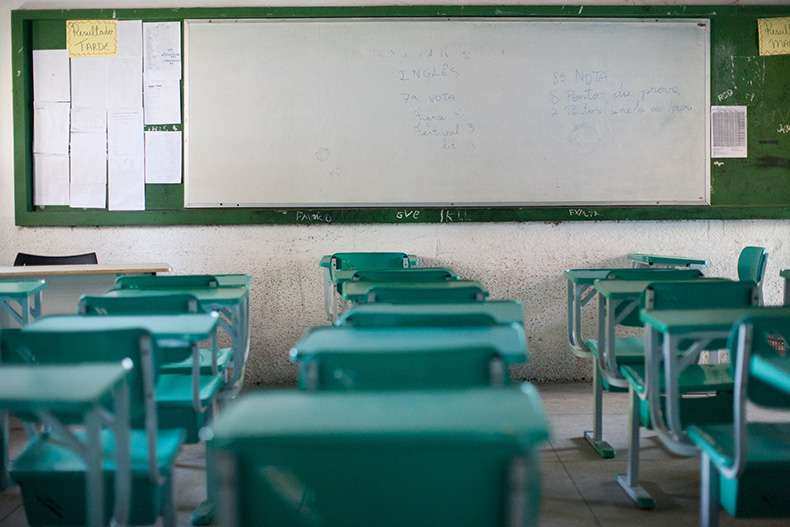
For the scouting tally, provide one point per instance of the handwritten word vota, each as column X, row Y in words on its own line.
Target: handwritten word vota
column 443, row 71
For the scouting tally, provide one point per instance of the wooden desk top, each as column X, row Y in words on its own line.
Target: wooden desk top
column 84, row 269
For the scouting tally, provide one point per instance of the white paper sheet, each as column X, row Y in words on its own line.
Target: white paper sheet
column 162, row 49
column 89, row 120
column 163, row 157
column 51, row 75
column 85, row 196
column 50, row 179
column 89, row 159
column 51, row 128
column 125, row 133
column 124, row 82
column 89, row 82
column 728, row 131
column 162, row 101
column 126, row 183
column 130, row 38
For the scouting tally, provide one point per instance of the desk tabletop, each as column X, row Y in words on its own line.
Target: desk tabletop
column 784, row 273
column 64, row 387
column 506, row 339
column 21, row 288
column 678, row 321
column 50, row 270
column 484, row 413
column 185, row 327
column 665, row 260
column 392, row 275
column 621, row 289
column 586, row 276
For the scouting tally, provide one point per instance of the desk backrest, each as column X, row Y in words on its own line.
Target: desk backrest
column 23, row 259
column 165, row 282
column 370, row 260
column 413, row 274
column 427, row 292
column 137, row 305
column 769, row 338
column 22, row 346
column 453, row 314
column 751, row 266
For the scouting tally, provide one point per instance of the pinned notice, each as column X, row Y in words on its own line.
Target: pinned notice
column 774, row 36
column 92, row 38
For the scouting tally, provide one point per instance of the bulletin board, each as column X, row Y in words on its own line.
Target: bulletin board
column 274, row 149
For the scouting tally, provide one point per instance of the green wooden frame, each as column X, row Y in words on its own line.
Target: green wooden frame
column 751, row 188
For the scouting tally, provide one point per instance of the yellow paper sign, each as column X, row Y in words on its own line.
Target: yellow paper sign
column 774, row 36
column 92, row 38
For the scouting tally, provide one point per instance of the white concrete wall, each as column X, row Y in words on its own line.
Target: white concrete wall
column 515, row 260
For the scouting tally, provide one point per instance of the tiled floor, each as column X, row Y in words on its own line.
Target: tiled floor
column 578, row 487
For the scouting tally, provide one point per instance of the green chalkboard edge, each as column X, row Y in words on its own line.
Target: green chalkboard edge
column 27, row 215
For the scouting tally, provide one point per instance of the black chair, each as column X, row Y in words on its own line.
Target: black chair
column 35, row 259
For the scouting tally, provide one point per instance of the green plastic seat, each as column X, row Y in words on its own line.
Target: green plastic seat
column 48, row 473
column 407, row 357
column 745, row 465
column 396, row 458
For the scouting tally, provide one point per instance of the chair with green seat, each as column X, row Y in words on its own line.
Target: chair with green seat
column 745, row 464
column 332, row 263
column 453, row 314
column 161, row 304
column 751, row 266
column 184, row 401
column 407, row 357
column 396, row 458
column 51, row 477
column 704, row 391
column 630, row 349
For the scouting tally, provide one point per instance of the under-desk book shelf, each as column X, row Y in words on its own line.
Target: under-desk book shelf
column 450, row 114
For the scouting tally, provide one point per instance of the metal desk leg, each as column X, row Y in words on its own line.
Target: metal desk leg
column 630, row 482
column 595, row 436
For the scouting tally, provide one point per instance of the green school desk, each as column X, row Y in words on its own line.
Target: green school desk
column 415, row 292
column 67, row 283
column 346, row 358
column 580, row 292
column 22, row 292
column 658, row 260
column 386, row 458
column 332, row 263
column 79, row 390
column 455, row 314
column 231, row 301
column 665, row 330
column 774, row 371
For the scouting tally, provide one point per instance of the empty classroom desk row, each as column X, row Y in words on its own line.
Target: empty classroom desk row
column 405, row 399
column 677, row 386
column 157, row 335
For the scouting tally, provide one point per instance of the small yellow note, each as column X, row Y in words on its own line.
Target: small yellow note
column 92, row 38
column 774, row 36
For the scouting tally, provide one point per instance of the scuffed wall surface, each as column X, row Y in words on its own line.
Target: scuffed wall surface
column 515, row 260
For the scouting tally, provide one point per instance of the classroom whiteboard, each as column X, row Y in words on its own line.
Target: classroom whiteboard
column 446, row 112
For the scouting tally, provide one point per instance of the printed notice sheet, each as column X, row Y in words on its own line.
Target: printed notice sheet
column 163, row 157
column 51, row 128
column 126, row 183
column 88, row 170
column 728, row 131
column 51, row 75
column 50, row 179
